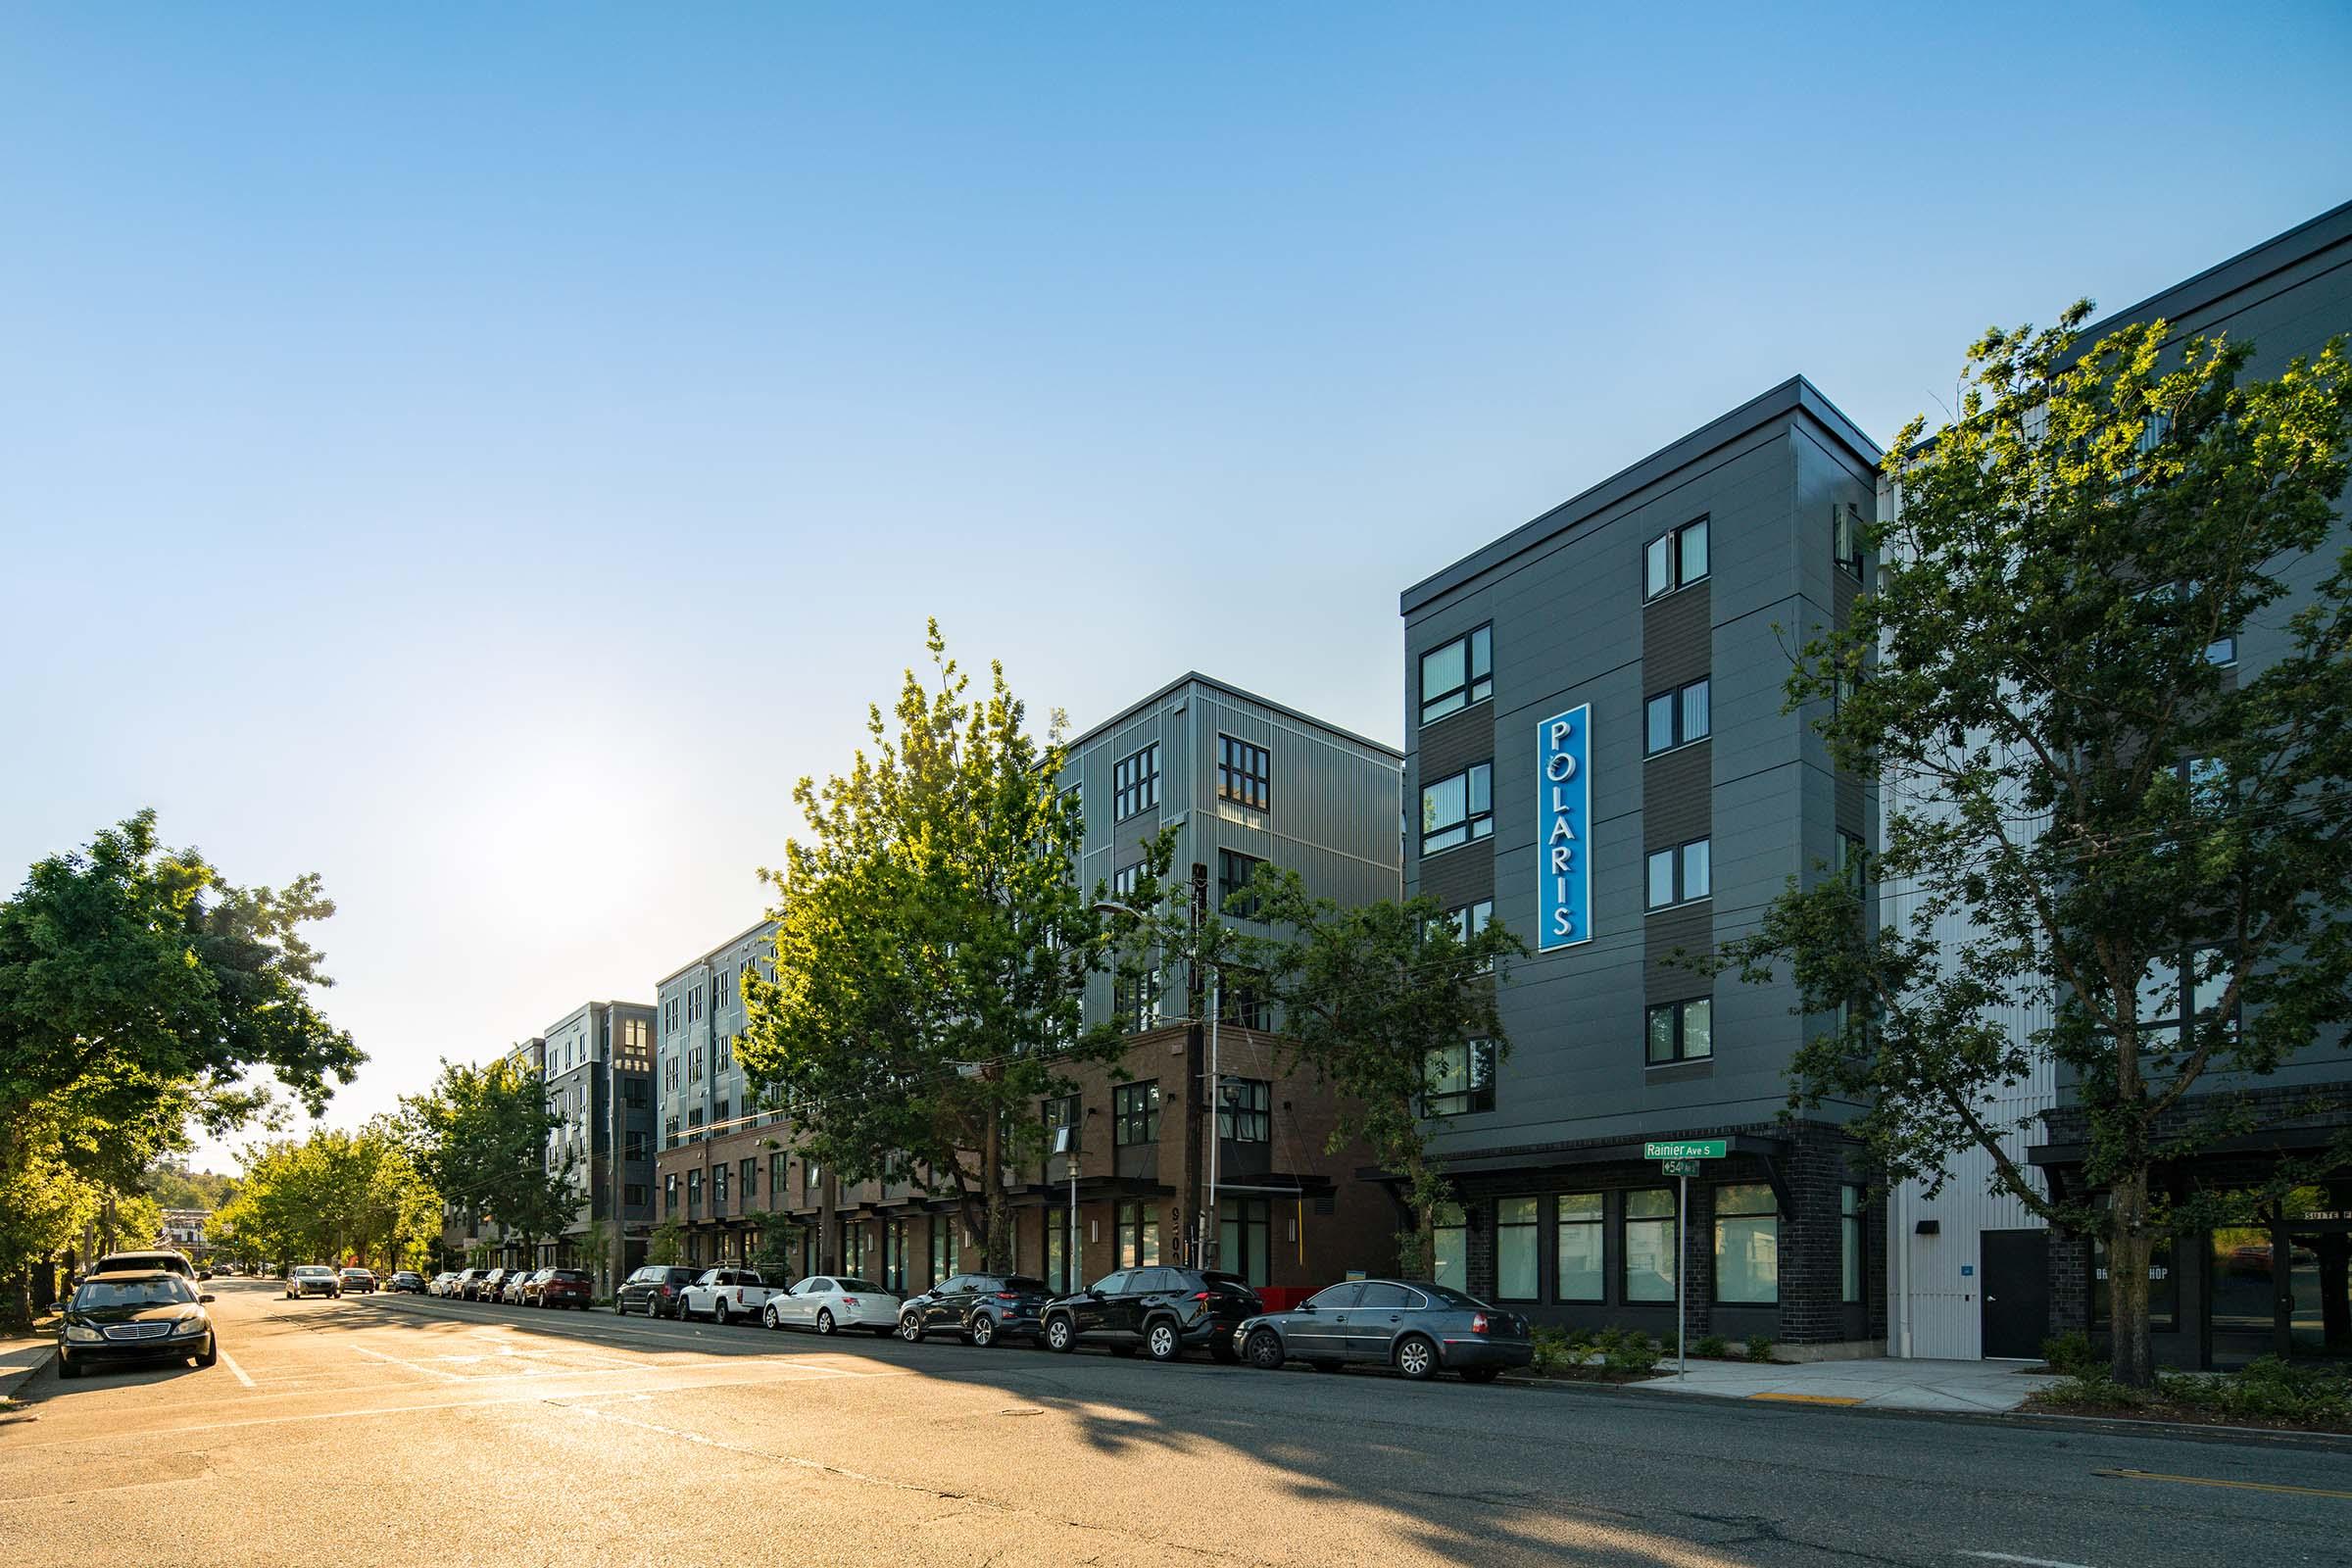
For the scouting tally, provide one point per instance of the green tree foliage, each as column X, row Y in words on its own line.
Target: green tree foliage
column 667, row 1243
column 175, row 1188
column 481, row 1136
column 931, row 950
column 1372, row 997
column 2130, row 833
column 331, row 1197
column 140, row 992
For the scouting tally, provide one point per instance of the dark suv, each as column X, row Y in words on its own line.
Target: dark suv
column 655, row 1289
column 982, row 1307
column 1157, row 1311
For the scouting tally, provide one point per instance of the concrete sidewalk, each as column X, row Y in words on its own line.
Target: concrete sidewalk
column 21, row 1358
column 1879, row 1382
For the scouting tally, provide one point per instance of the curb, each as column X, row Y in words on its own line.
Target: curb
column 15, row 1379
column 2014, row 1420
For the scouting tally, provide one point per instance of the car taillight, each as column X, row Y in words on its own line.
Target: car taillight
column 1199, row 1295
column 1008, row 1296
column 1478, row 1322
column 668, row 1290
column 848, row 1301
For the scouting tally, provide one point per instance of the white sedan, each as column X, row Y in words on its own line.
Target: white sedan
column 829, row 1303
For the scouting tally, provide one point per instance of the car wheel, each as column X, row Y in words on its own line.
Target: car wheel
column 1060, row 1335
column 1162, row 1342
column 984, row 1330
column 1265, row 1349
column 910, row 1329
column 1481, row 1374
column 719, row 1312
column 212, row 1352
column 824, row 1320
column 767, row 1317
column 1416, row 1359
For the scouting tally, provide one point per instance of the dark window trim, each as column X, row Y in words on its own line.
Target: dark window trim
column 1683, row 897
column 1842, row 519
column 1140, row 791
column 1677, row 699
column 1476, row 826
column 1244, row 773
column 1598, row 1222
column 1536, row 1226
column 1135, row 1114
column 1472, row 677
column 1675, row 582
column 1679, row 1008
column 1477, row 1096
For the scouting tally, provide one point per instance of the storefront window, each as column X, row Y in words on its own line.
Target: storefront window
column 1747, row 1243
column 942, row 1247
column 1580, row 1231
column 1450, row 1252
column 1516, row 1232
column 1649, row 1245
column 1057, row 1252
column 1849, row 1244
column 1138, row 1226
column 2164, row 1284
column 1245, row 1230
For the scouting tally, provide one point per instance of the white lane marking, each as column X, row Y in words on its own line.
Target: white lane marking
column 429, row 1371
column 2024, row 1562
column 230, row 1363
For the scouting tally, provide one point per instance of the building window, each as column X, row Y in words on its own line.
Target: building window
column 1245, row 1239
column 1125, row 880
column 718, row 1189
column 1135, row 783
column 1234, row 872
column 2164, row 1283
column 777, row 1164
column 1457, row 809
column 942, row 1247
column 718, row 1117
column 1849, row 1244
column 1061, row 1124
column 1518, row 1231
column 1244, row 774
column 633, row 1036
column 1681, row 1031
column 632, row 1147
column 1846, row 546
column 813, row 1181
column 1458, row 674
column 747, row 1178
column 633, row 1093
column 1243, row 1005
column 694, row 1065
column 694, row 1191
column 1682, row 874
column 1462, row 1080
column 669, row 1132
column 1245, row 1110
column 1676, row 559
column 723, row 1053
column 1747, row 1243
column 633, row 1195
column 852, row 1250
column 1649, row 1245
column 1449, row 1246
column 1135, row 1114
column 1137, row 1227
column 893, row 1256
column 1135, row 1000
column 1676, row 718
column 693, row 1125
column 669, row 1192
column 1577, row 1248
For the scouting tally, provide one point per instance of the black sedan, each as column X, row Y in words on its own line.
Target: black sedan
column 134, row 1317
column 1412, row 1325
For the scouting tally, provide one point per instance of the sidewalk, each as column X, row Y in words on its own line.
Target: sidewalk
column 22, row 1358
column 1880, row 1382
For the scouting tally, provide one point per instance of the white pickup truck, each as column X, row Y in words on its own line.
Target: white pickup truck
column 729, row 1295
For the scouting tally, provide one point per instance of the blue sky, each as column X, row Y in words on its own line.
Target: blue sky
column 485, row 458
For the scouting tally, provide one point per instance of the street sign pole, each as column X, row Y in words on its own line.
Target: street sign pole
column 1680, row 1159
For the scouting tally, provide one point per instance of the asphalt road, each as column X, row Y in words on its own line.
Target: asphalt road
column 402, row 1429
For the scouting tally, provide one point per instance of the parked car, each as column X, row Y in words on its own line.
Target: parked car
column 654, row 1290
column 560, row 1287
column 828, row 1303
column 159, row 1260
column 729, row 1295
column 510, row 1289
column 1161, row 1311
column 360, row 1281
column 122, row 1316
column 491, row 1284
column 462, row 1286
column 312, row 1279
column 406, row 1280
column 440, row 1283
column 983, row 1308
column 1412, row 1325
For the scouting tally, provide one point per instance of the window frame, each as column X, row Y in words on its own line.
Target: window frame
column 1473, row 677
column 1676, row 552
column 1678, row 715
column 1533, row 1240
column 1135, row 1114
column 1249, row 1117
column 1242, row 764
column 1135, row 782
column 1679, row 878
column 1598, row 1224
column 1847, row 550
column 1479, row 1096
column 1718, row 1214
column 1475, row 826
column 1228, row 861
column 1679, row 1008
column 1627, row 1219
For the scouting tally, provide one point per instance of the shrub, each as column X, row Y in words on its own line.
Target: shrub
column 1713, row 1347
column 1607, row 1343
column 1759, row 1347
column 1635, row 1352
column 1580, row 1347
column 1554, row 1351
column 2071, row 1353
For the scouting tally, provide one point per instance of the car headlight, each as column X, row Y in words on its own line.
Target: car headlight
column 80, row 1333
column 189, row 1325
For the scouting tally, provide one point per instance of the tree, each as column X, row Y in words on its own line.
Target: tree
column 138, row 991
column 2109, row 823
column 1379, row 999
column 931, row 950
column 667, row 1243
column 481, row 1137
column 332, row 1196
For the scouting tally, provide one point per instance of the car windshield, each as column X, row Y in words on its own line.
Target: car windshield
column 313, row 1272
column 160, row 1292
column 860, row 1285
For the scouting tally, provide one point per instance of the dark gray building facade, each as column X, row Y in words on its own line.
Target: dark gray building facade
column 599, row 1070
column 1643, row 629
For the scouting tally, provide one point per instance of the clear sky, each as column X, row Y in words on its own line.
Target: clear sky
column 485, row 454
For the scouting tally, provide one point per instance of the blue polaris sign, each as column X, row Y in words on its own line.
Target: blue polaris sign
column 1564, row 812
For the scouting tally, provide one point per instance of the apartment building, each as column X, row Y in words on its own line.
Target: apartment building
column 1597, row 755
column 1974, row 1273
column 720, row 1165
column 597, row 1064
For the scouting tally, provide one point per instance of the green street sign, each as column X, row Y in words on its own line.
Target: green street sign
column 1682, row 1167
column 1697, row 1148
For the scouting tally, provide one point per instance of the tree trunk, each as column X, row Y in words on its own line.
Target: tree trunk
column 2133, row 1360
column 997, row 1244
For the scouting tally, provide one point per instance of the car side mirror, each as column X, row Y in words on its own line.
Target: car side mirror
column 206, row 1297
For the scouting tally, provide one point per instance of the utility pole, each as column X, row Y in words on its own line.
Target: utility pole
column 1195, row 1070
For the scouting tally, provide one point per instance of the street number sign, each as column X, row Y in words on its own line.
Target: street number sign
column 1695, row 1149
column 1682, row 1167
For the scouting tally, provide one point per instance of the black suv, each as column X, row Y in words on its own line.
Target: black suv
column 1157, row 1311
column 657, row 1290
column 982, row 1307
